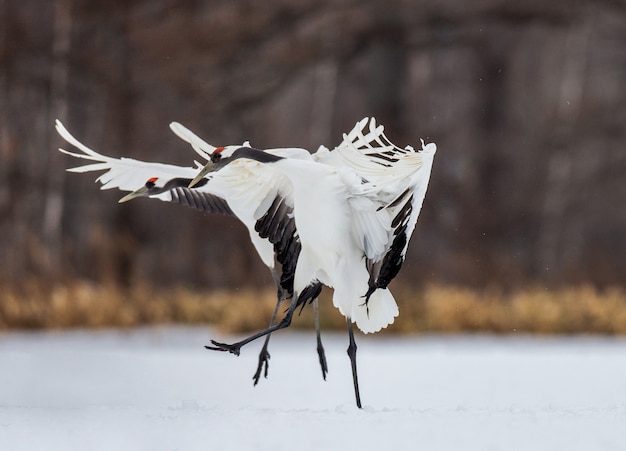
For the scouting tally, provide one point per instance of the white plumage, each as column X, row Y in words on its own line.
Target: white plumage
column 247, row 194
column 346, row 201
column 354, row 207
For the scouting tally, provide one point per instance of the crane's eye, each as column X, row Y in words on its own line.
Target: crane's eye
column 150, row 183
column 215, row 157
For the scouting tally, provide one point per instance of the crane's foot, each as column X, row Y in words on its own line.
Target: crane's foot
column 264, row 365
column 234, row 348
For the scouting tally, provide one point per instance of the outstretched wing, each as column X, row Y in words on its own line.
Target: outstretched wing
column 262, row 198
column 367, row 150
column 256, row 194
column 385, row 215
column 202, row 148
column 126, row 174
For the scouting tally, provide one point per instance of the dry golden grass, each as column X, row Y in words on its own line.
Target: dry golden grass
column 436, row 308
column 83, row 304
column 532, row 310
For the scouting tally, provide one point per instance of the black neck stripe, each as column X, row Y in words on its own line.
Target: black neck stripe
column 255, row 154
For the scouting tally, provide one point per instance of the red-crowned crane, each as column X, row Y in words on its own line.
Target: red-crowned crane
column 222, row 193
column 355, row 209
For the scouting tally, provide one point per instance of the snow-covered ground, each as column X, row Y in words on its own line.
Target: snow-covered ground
column 158, row 389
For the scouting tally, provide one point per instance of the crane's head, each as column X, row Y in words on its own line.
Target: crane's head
column 153, row 185
column 222, row 156
column 159, row 185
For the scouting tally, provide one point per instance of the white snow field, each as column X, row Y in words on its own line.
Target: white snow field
column 159, row 389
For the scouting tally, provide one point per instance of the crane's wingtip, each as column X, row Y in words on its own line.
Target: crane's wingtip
column 176, row 126
column 429, row 148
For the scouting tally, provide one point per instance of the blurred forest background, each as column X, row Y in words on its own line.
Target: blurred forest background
column 525, row 100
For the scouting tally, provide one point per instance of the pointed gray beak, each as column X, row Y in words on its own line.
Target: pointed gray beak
column 209, row 167
column 141, row 192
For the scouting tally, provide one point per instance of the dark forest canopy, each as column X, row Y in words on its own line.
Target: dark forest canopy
column 525, row 100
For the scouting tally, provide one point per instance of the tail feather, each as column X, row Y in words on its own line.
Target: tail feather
column 380, row 311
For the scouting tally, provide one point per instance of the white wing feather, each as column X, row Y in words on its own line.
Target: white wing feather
column 126, row 174
column 377, row 173
column 205, row 149
column 388, row 171
column 372, row 155
column 370, row 227
column 248, row 186
column 202, row 148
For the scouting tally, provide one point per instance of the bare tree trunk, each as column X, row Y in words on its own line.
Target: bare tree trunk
column 322, row 109
column 559, row 238
column 53, row 209
column 323, row 102
column 4, row 105
column 6, row 225
column 125, row 257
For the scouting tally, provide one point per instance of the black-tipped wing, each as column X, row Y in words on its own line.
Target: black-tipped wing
column 385, row 216
column 383, row 270
column 279, row 227
column 201, row 201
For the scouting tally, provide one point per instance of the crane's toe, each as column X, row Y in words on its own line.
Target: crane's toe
column 217, row 346
column 263, row 367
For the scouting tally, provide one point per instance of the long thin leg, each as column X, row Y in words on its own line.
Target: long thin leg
column 352, row 354
column 264, row 355
column 235, row 348
column 320, row 348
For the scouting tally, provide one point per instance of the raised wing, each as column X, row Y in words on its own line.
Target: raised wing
column 367, row 150
column 205, row 149
column 385, row 215
column 126, row 174
column 262, row 198
column 202, row 148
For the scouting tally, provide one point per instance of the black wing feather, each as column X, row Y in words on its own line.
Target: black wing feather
column 200, row 201
column 279, row 227
column 381, row 274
